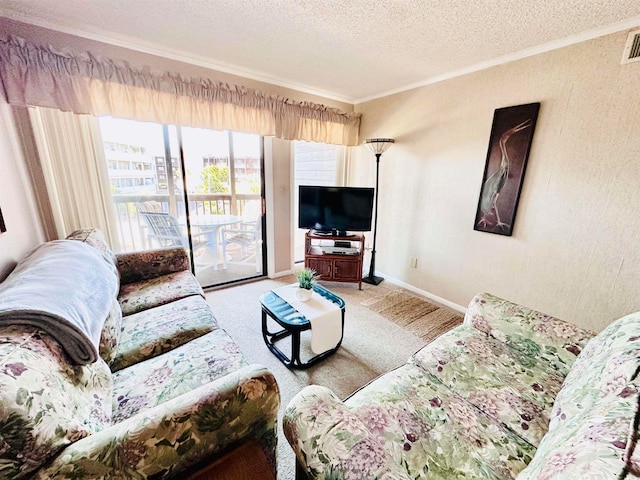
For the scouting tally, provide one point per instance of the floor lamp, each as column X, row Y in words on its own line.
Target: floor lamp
column 378, row 146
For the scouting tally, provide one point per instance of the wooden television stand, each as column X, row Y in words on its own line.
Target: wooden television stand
column 333, row 265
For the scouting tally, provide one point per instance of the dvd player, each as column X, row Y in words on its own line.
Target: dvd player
column 333, row 250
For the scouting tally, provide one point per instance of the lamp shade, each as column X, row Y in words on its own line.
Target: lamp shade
column 378, row 145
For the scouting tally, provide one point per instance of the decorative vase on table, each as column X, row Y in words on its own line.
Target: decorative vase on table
column 306, row 278
column 304, row 294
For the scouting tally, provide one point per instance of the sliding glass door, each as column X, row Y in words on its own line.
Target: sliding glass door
column 197, row 188
column 224, row 191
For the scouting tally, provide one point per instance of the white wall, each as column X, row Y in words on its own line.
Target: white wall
column 574, row 249
column 16, row 200
column 278, row 170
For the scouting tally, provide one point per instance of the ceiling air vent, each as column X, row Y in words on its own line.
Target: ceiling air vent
column 632, row 49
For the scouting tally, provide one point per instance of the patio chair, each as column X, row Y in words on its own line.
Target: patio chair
column 149, row 206
column 247, row 236
column 165, row 229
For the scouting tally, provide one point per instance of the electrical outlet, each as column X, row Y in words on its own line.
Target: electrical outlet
column 413, row 263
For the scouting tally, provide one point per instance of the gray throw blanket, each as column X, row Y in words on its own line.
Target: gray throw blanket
column 66, row 288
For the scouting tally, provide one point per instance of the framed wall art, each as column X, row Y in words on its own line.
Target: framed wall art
column 509, row 145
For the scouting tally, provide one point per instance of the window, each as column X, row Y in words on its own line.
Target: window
column 314, row 164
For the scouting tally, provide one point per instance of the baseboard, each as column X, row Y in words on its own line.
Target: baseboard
column 400, row 283
column 280, row 274
column 426, row 294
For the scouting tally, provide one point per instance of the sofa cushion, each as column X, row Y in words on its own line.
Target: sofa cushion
column 414, row 426
column 151, row 382
column 111, row 332
column 511, row 387
column 189, row 430
column 590, row 446
column 154, row 331
column 145, row 264
column 95, row 238
column 608, row 362
column 138, row 296
column 556, row 341
column 592, row 426
column 46, row 402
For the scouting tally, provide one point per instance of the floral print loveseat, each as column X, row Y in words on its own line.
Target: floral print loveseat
column 168, row 396
column 511, row 393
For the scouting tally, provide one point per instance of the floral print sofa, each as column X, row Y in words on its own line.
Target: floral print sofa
column 170, row 395
column 511, row 393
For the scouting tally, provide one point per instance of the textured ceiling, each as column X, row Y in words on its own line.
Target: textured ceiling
column 343, row 49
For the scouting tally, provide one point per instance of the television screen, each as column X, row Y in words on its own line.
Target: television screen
column 330, row 209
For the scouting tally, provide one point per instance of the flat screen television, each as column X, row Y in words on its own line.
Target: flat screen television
column 335, row 210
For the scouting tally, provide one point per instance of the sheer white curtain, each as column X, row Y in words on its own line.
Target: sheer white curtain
column 75, row 172
column 343, row 164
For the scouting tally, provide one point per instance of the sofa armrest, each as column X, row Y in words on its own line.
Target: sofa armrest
column 526, row 330
column 146, row 264
column 327, row 436
column 161, row 442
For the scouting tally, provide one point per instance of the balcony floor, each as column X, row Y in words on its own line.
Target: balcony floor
column 238, row 268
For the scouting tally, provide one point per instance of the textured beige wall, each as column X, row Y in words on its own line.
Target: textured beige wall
column 16, row 200
column 574, row 249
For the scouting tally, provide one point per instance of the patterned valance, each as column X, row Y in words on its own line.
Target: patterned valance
column 34, row 75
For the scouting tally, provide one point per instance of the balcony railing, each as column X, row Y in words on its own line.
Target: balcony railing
column 131, row 227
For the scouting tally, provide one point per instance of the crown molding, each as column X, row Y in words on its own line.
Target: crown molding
column 178, row 55
column 529, row 52
column 150, row 48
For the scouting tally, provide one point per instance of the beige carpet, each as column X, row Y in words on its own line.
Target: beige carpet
column 372, row 343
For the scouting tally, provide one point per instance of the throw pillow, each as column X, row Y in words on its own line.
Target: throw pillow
column 593, row 422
